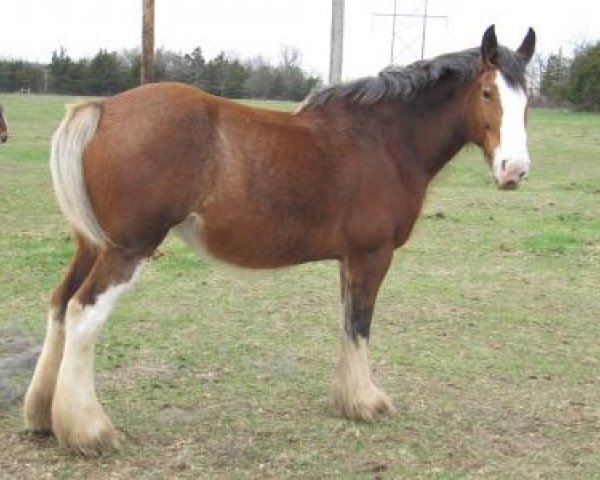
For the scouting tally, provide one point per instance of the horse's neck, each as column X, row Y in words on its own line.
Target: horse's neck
column 430, row 133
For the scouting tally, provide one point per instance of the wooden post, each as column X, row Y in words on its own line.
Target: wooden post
column 337, row 41
column 147, row 63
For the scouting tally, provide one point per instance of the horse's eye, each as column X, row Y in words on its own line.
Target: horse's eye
column 487, row 94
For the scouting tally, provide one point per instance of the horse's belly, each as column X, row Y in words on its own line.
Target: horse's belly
column 252, row 246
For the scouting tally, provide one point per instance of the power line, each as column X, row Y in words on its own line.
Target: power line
column 423, row 16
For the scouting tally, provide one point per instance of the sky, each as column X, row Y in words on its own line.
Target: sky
column 32, row 29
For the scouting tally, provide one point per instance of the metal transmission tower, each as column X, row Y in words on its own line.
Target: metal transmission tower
column 423, row 16
column 337, row 41
column 147, row 63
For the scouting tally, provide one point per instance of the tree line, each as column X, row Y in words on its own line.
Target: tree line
column 572, row 81
column 108, row 73
column 562, row 80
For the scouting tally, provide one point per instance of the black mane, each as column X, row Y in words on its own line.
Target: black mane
column 407, row 83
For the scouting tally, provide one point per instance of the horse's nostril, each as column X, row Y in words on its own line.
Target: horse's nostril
column 503, row 164
column 522, row 174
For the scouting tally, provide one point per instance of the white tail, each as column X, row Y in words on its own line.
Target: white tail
column 66, row 164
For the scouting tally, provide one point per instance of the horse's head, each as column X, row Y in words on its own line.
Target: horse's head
column 3, row 127
column 498, row 108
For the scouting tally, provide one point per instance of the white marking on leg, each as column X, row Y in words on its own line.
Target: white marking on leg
column 353, row 392
column 78, row 419
column 37, row 406
column 353, row 366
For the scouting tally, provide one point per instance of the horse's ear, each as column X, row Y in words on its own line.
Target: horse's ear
column 528, row 46
column 489, row 46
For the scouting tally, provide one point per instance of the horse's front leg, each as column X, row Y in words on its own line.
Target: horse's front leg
column 354, row 394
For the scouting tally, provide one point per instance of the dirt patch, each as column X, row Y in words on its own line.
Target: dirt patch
column 18, row 356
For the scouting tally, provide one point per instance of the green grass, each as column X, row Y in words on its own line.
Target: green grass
column 485, row 335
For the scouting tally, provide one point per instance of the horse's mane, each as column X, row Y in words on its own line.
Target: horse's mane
column 407, row 83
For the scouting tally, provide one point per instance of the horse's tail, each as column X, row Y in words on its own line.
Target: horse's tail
column 66, row 164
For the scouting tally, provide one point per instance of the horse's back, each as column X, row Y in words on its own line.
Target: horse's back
column 257, row 179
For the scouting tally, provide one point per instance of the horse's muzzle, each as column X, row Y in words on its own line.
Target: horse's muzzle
column 3, row 137
column 509, row 173
column 510, row 185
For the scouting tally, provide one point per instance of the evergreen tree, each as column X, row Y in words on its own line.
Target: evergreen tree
column 104, row 77
column 196, row 64
column 556, row 77
column 60, row 71
column 17, row 74
column 584, row 82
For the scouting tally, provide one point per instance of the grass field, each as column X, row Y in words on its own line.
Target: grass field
column 486, row 335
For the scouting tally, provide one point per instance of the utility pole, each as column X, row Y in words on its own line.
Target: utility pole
column 147, row 63
column 337, row 41
column 393, row 31
column 424, row 17
column 424, row 32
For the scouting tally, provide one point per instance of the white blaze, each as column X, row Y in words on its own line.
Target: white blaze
column 511, row 158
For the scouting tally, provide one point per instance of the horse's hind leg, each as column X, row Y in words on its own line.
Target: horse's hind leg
column 78, row 420
column 353, row 392
column 37, row 407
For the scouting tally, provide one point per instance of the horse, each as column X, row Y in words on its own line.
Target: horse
column 341, row 178
column 3, row 126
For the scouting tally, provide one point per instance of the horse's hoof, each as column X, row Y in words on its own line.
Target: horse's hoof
column 90, row 433
column 90, row 443
column 366, row 404
column 37, row 411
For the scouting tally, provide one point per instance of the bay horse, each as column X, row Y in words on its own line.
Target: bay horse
column 343, row 178
column 3, row 126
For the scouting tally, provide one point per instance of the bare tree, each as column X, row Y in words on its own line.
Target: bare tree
column 536, row 72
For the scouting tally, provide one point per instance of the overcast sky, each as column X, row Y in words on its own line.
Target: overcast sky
column 32, row 29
